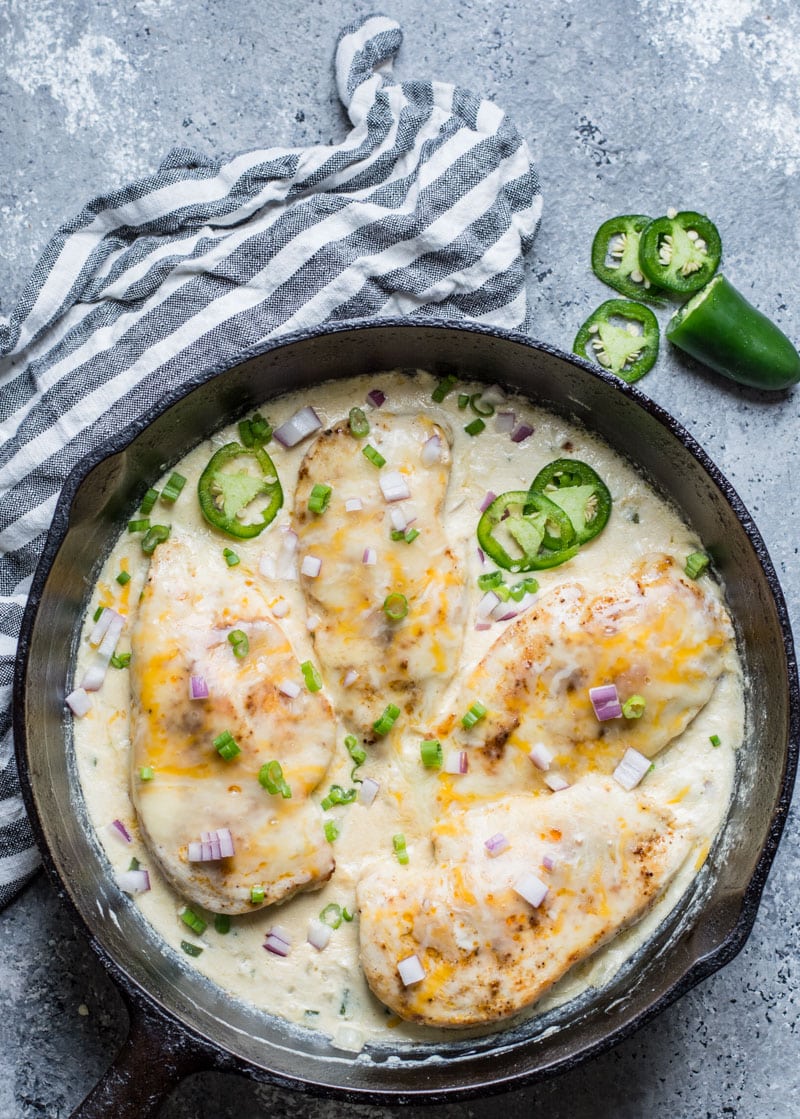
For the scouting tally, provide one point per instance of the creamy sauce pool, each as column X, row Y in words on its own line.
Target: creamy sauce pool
column 326, row 990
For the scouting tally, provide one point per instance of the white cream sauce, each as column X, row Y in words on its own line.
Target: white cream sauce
column 326, row 990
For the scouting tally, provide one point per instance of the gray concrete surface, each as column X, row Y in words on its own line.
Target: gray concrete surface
column 629, row 105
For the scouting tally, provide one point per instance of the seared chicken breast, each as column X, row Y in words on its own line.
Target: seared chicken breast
column 655, row 633
column 191, row 603
column 371, row 658
column 480, row 936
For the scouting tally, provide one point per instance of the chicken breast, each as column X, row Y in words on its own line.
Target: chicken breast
column 191, row 602
column 369, row 660
column 590, row 860
column 656, row 633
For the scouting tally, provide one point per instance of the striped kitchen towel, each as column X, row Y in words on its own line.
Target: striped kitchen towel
column 425, row 209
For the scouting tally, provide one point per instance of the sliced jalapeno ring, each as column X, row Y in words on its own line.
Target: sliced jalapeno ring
column 240, row 502
column 680, row 253
column 628, row 350
column 525, row 531
column 579, row 491
column 615, row 258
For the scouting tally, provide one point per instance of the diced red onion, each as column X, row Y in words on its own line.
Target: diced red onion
column 394, row 486
column 133, row 881
column 276, row 946
column 398, row 518
column 112, row 636
column 311, row 566
column 494, row 395
column 410, row 970
column 368, row 791
column 100, row 626
column 376, row 398
column 483, row 624
column 525, row 602
column 432, row 451
column 96, row 672
column 312, row 622
column 541, row 756
column 211, row 846
column 521, row 433
column 350, row 677
column 457, row 762
column 631, row 769
column 298, row 427
column 318, row 934
column 532, row 889
column 225, row 842
column 505, row 422
column 370, row 557
column 78, row 702
column 280, row 608
column 289, row 689
column 285, row 568
column 496, row 844
column 505, row 611
column 555, row 782
column 487, row 604
column 267, row 566
column 198, row 688
column 548, row 862
column 280, row 933
column 353, row 505
column 605, row 702
column 95, row 675
column 487, row 501
column 119, row 831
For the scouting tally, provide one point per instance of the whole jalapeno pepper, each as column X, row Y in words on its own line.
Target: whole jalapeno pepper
column 722, row 330
column 680, row 252
column 240, row 502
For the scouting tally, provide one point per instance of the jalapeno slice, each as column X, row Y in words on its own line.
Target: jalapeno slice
column 615, row 258
column 722, row 330
column 579, row 491
column 239, row 490
column 622, row 337
column 680, row 253
column 507, row 523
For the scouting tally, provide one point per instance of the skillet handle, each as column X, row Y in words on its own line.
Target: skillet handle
column 153, row 1060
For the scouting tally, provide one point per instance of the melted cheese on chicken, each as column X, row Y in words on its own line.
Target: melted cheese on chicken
column 188, row 608
column 599, row 855
column 369, row 660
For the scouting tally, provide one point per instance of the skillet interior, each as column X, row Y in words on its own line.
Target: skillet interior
column 705, row 931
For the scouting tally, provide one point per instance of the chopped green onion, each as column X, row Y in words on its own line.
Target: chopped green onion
column 230, row 557
column 246, row 433
column 479, row 408
column 475, row 427
column 490, row 580
column 256, row 895
column 331, row 831
column 134, row 864
column 190, row 918
column 227, row 746
column 146, row 773
column 526, row 586
column 696, row 564
column 359, row 424
column 172, row 490
column 395, row 606
column 191, row 949
column 123, row 578
column 445, row 386
column 463, row 400
column 319, row 498
column 311, row 676
column 410, row 535
column 241, row 646
column 355, row 749
column 222, row 923
column 346, row 916
column 715, row 740
column 261, row 429
column 120, row 660
column 375, row 457
column 154, row 536
column 387, row 720
column 337, row 795
column 148, row 502
column 633, row 707
column 270, row 777
column 502, row 591
column 141, row 525
column 332, row 915
column 97, row 613
column 474, row 715
column 399, row 844
column 431, row 753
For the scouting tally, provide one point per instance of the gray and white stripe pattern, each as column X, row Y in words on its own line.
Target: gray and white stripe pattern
column 424, row 210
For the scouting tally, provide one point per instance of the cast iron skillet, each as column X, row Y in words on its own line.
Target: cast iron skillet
column 179, row 1022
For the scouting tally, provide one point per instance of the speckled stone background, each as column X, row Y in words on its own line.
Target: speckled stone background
column 628, row 105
